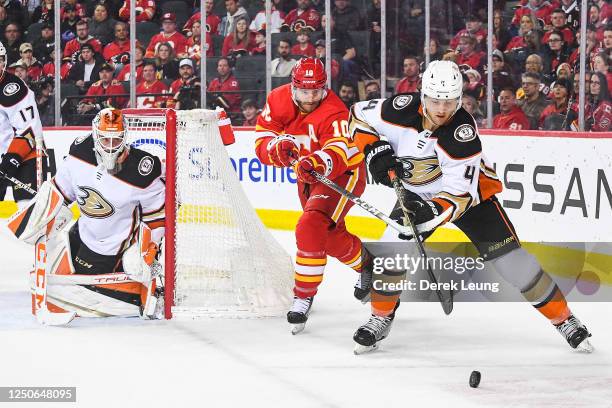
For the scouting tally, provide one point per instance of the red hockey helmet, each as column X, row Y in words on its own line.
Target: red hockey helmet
column 309, row 73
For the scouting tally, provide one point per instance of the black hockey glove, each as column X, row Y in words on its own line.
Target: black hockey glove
column 420, row 211
column 380, row 158
column 9, row 165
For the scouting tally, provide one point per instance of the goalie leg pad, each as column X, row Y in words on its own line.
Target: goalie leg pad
column 39, row 216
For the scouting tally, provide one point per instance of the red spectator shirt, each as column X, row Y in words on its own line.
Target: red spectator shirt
column 49, row 69
column 114, row 88
column 297, row 19
column 193, row 48
column 516, row 42
column 602, row 117
column 480, row 35
column 73, row 46
column 407, row 85
column 550, row 109
column 115, row 48
column 146, row 8
column 513, row 120
column 542, row 13
column 156, row 86
column 212, row 22
column 229, row 47
column 568, row 36
column 309, row 51
column 473, row 60
column 176, row 39
column 230, row 84
column 124, row 74
column 80, row 11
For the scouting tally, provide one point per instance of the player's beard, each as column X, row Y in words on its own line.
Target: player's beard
column 308, row 108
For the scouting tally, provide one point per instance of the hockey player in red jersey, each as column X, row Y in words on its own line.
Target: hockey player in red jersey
column 304, row 125
column 432, row 144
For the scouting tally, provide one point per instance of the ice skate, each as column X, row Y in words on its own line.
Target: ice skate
column 298, row 315
column 370, row 334
column 576, row 334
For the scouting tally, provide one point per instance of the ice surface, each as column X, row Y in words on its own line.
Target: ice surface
column 426, row 361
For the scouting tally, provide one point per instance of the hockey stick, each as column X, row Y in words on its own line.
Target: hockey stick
column 19, row 183
column 446, row 300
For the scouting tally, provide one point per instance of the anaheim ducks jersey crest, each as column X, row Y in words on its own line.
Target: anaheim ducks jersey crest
column 111, row 206
column 446, row 164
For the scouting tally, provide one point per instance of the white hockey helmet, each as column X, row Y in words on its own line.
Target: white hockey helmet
column 2, row 59
column 109, row 138
column 442, row 80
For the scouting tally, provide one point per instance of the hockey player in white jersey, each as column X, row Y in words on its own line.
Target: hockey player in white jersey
column 432, row 144
column 19, row 127
column 121, row 197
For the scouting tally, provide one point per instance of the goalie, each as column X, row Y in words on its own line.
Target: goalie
column 104, row 265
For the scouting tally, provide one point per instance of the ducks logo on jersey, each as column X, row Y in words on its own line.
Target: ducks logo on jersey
column 92, row 204
column 465, row 133
column 419, row 171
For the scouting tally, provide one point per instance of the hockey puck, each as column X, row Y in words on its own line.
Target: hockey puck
column 475, row 379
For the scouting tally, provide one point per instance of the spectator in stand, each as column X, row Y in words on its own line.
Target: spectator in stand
column 607, row 40
column 502, row 73
column 571, row 8
column 557, row 115
column 43, row 44
column 527, row 24
column 169, row 35
column 435, row 51
column 554, row 53
column 73, row 47
column 68, row 26
column 511, row 116
column 102, row 25
column 282, row 66
column 150, row 85
column 49, row 67
column 320, row 54
column 597, row 20
column 43, row 12
column 559, row 23
column 120, row 47
column 240, row 41
column 411, row 80
column 20, row 71
column 347, row 94
column 576, row 92
column 605, row 9
column 470, row 104
column 145, row 10
column 303, row 47
column 183, row 88
column 474, row 85
column 249, row 113
column 467, row 54
column 222, row 86
column 194, row 50
column 12, row 41
column 304, row 16
column 234, row 12
column 540, row 8
column 212, row 20
column 500, row 30
column 259, row 22
column 87, row 70
column 342, row 44
column 80, row 10
column 600, row 64
column 46, row 105
column 346, row 16
column 100, row 94
column 601, row 108
column 473, row 28
column 533, row 101
column 372, row 90
column 260, row 43
column 592, row 47
column 124, row 75
column 33, row 66
column 15, row 12
column 564, row 71
column 166, row 63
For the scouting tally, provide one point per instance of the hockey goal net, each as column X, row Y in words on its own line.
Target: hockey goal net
column 219, row 259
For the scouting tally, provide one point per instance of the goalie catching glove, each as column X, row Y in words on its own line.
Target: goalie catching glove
column 283, row 150
column 380, row 158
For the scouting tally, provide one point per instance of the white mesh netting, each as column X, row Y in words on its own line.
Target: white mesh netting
column 226, row 261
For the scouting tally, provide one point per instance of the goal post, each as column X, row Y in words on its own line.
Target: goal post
column 219, row 259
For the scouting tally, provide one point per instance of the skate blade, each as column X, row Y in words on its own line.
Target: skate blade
column 297, row 328
column 361, row 349
column 585, row 347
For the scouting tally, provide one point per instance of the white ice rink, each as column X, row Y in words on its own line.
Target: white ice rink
column 426, row 361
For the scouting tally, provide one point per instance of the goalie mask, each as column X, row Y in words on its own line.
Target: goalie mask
column 2, row 59
column 109, row 138
column 442, row 84
column 308, row 84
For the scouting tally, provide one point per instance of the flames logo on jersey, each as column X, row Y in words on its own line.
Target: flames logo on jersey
column 420, row 171
column 92, row 204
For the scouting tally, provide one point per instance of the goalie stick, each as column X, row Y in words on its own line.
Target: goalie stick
column 446, row 302
column 445, row 298
column 19, row 183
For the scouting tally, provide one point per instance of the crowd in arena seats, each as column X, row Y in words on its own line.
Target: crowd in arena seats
column 535, row 57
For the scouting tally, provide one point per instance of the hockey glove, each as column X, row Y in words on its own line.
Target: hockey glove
column 425, row 215
column 283, row 150
column 380, row 158
column 307, row 164
column 10, row 164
